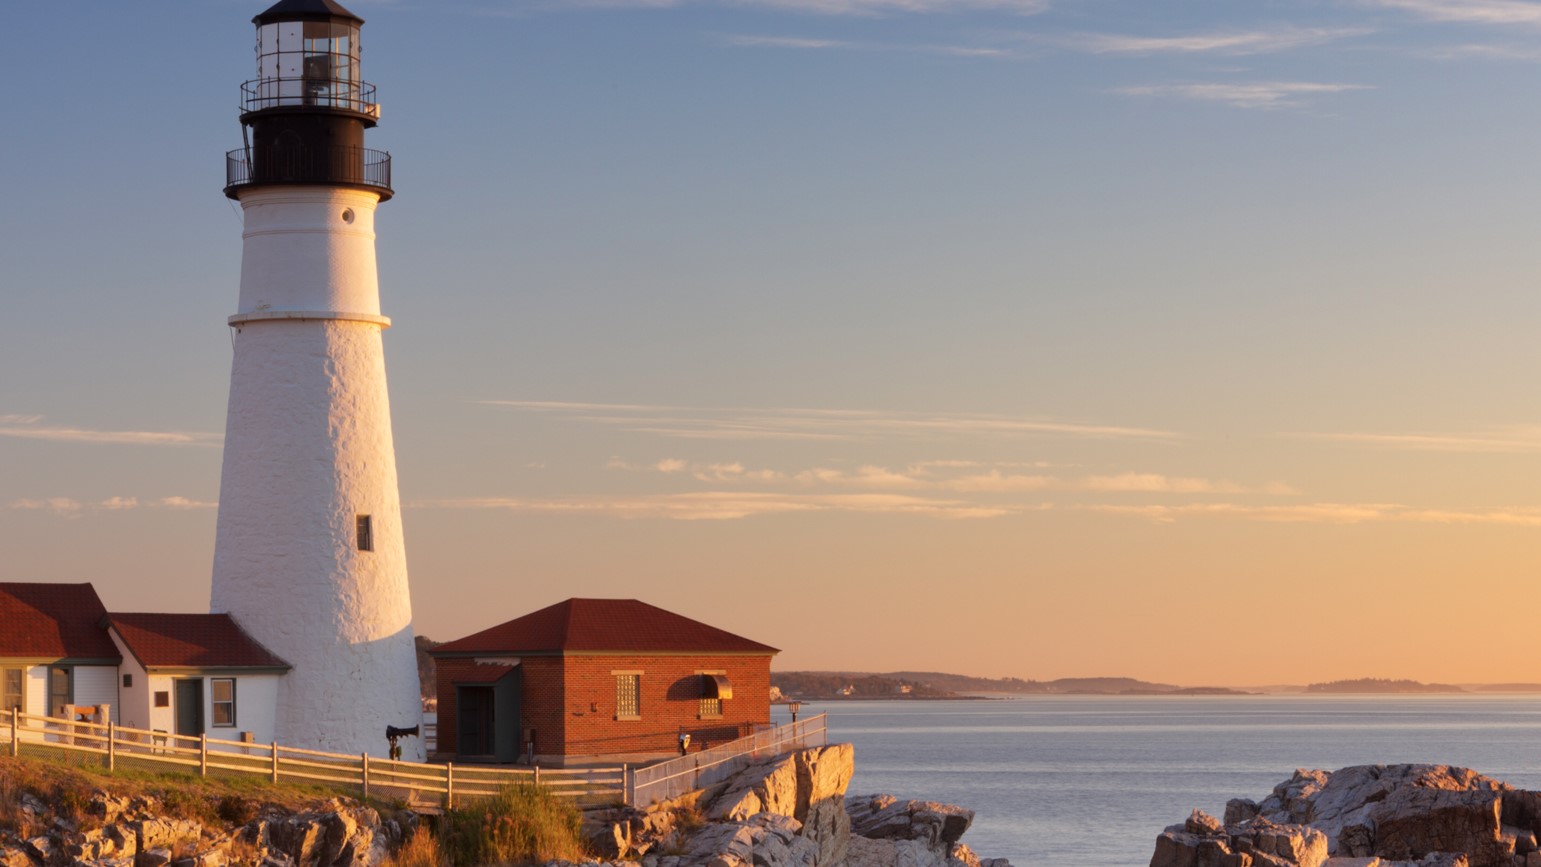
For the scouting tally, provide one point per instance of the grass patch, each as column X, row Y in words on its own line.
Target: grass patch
column 523, row 823
column 68, row 790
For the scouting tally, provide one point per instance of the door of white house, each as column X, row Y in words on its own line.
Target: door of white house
column 189, row 707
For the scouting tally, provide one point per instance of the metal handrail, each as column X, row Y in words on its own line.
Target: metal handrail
column 672, row 778
column 261, row 93
column 339, row 164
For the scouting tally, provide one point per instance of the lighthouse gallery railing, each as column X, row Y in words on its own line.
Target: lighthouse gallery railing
column 345, row 165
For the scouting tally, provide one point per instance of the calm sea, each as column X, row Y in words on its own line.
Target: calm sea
column 1070, row 781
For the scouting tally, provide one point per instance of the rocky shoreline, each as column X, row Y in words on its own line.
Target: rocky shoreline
column 790, row 811
column 1366, row 816
column 787, row 811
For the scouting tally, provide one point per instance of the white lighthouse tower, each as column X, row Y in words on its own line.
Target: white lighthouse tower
column 308, row 556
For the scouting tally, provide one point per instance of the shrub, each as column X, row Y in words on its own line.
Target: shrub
column 420, row 850
column 522, row 823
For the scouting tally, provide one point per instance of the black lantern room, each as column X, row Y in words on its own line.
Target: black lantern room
column 303, row 117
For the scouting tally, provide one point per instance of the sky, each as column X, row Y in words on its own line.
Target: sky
column 1188, row 340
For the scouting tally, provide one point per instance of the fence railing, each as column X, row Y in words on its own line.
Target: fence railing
column 675, row 777
column 448, row 784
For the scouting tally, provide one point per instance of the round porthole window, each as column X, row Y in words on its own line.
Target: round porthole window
column 347, row 215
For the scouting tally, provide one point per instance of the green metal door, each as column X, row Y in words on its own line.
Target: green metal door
column 189, row 707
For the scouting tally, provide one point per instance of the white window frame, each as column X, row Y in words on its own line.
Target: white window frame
column 21, row 696
column 215, row 702
column 628, row 681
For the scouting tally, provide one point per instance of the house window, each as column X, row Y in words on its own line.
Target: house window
column 628, row 696
column 13, row 692
column 710, row 707
column 128, row 681
column 223, row 689
column 61, row 687
column 366, row 532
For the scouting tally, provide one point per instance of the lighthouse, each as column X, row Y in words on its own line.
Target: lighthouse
column 309, row 557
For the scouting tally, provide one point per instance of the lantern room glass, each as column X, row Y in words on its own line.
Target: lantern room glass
column 309, row 63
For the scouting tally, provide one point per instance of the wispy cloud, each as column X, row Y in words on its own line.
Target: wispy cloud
column 1233, row 43
column 1124, row 483
column 1505, row 440
column 818, row 424
column 863, row 8
column 952, row 477
column 1468, row 11
column 1257, row 94
column 786, row 42
column 70, row 507
column 727, row 505
column 26, row 427
column 1324, row 513
column 881, row 7
column 1486, row 51
column 801, row 43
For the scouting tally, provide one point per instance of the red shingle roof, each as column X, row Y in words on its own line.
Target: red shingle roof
column 191, row 641
column 603, row 626
column 54, row 621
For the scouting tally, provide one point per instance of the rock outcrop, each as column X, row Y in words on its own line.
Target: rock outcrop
column 790, row 811
column 1366, row 816
column 123, row 832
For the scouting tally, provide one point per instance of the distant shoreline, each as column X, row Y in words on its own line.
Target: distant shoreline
column 937, row 686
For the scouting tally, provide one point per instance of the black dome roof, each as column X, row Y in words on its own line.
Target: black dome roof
column 306, row 10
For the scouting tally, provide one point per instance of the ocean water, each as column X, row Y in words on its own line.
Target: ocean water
column 1091, row 780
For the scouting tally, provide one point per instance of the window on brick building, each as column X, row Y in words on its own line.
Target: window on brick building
column 715, row 687
column 628, row 695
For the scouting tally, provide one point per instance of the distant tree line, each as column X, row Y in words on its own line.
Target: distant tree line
column 1380, row 685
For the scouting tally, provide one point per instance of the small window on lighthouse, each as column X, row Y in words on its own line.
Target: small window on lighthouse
column 366, row 533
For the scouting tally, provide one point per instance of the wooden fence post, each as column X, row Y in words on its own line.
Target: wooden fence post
column 366, row 775
column 275, row 763
column 537, row 775
column 15, row 744
column 112, row 747
column 203, row 755
column 449, row 785
column 627, row 782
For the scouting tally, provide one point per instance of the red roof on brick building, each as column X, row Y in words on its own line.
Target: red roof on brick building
column 191, row 641
column 54, row 621
column 623, row 626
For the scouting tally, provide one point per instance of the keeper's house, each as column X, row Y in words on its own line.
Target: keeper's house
column 597, row 680
column 189, row 674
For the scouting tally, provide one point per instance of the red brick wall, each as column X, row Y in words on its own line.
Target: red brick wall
column 670, row 699
column 570, row 702
column 540, row 706
column 447, row 671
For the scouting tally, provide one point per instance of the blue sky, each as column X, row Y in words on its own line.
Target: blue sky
column 1025, row 327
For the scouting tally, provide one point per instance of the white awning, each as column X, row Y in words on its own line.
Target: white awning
column 716, row 686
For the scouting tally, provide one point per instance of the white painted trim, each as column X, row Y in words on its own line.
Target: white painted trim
column 239, row 318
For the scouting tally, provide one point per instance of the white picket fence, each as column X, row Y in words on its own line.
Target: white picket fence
column 420, row 784
column 424, row 784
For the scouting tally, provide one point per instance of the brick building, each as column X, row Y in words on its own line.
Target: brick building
column 613, row 680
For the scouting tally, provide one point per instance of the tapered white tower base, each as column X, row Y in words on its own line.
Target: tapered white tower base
column 308, row 452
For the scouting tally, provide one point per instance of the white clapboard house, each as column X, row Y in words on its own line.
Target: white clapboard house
column 188, row 674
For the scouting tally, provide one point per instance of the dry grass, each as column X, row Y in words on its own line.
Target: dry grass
column 68, row 791
column 422, row 850
column 521, row 824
